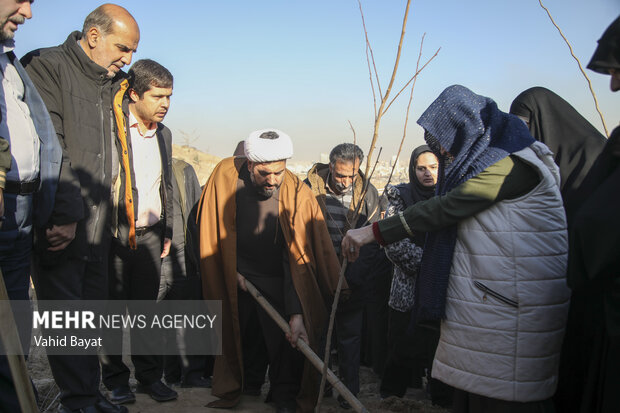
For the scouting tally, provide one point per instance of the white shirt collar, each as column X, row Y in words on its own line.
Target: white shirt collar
column 133, row 123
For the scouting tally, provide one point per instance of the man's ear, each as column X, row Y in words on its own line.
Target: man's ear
column 133, row 95
column 250, row 165
column 93, row 36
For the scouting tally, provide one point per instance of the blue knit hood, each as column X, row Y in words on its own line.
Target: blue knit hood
column 477, row 135
column 475, row 132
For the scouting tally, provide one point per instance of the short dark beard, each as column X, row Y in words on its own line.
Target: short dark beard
column 341, row 188
column 261, row 190
column 336, row 186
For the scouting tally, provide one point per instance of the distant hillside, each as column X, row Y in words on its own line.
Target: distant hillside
column 204, row 163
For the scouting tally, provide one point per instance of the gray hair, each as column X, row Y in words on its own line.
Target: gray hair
column 100, row 19
column 346, row 152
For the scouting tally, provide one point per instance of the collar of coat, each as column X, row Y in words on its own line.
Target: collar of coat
column 88, row 67
column 317, row 177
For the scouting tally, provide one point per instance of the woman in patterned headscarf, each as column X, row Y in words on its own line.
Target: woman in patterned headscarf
column 409, row 355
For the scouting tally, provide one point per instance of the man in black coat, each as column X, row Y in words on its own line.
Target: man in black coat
column 77, row 81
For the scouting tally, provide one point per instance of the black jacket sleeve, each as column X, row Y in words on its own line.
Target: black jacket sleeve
column 167, row 184
column 68, row 204
column 192, row 196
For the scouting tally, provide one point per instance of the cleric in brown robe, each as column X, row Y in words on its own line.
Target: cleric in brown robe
column 259, row 222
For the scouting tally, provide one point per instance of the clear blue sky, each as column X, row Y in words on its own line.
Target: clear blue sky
column 300, row 66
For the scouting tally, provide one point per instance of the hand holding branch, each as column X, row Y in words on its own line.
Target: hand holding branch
column 298, row 330
column 353, row 241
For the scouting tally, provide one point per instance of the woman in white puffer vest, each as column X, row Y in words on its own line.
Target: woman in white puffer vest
column 494, row 264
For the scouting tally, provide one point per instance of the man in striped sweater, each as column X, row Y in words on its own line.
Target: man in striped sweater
column 340, row 188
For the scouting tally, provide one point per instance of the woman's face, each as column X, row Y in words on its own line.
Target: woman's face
column 426, row 169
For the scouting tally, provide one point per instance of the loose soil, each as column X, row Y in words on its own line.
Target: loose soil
column 194, row 400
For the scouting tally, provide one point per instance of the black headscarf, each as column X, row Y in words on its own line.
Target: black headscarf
column 477, row 134
column 607, row 54
column 414, row 191
column 573, row 140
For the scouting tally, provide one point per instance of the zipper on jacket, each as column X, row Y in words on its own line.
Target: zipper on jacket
column 102, row 159
column 495, row 294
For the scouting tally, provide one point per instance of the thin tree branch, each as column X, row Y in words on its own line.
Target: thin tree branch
column 372, row 55
column 365, row 190
column 353, row 129
column 412, row 78
column 387, row 92
column 330, row 328
column 580, row 67
column 378, row 115
column 372, row 83
column 354, row 143
column 402, row 141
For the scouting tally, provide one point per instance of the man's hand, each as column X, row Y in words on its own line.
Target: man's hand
column 353, row 241
column 166, row 250
column 241, row 282
column 60, row 236
column 298, row 330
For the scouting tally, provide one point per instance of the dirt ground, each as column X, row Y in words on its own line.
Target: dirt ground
column 194, row 400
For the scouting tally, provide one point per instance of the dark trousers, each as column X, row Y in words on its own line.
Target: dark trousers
column 181, row 281
column 409, row 355
column 15, row 253
column 402, row 364
column 255, row 356
column 135, row 275
column 77, row 376
column 374, row 351
column 349, row 337
column 286, row 364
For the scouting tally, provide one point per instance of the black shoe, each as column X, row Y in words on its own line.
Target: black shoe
column 204, row 382
column 158, row 391
column 285, row 409
column 343, row 403
column 122, row 395
column 104, row 406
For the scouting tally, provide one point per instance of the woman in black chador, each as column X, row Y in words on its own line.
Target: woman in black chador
column 590, row 368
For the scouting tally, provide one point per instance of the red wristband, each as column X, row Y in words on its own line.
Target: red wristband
column 377, row 233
